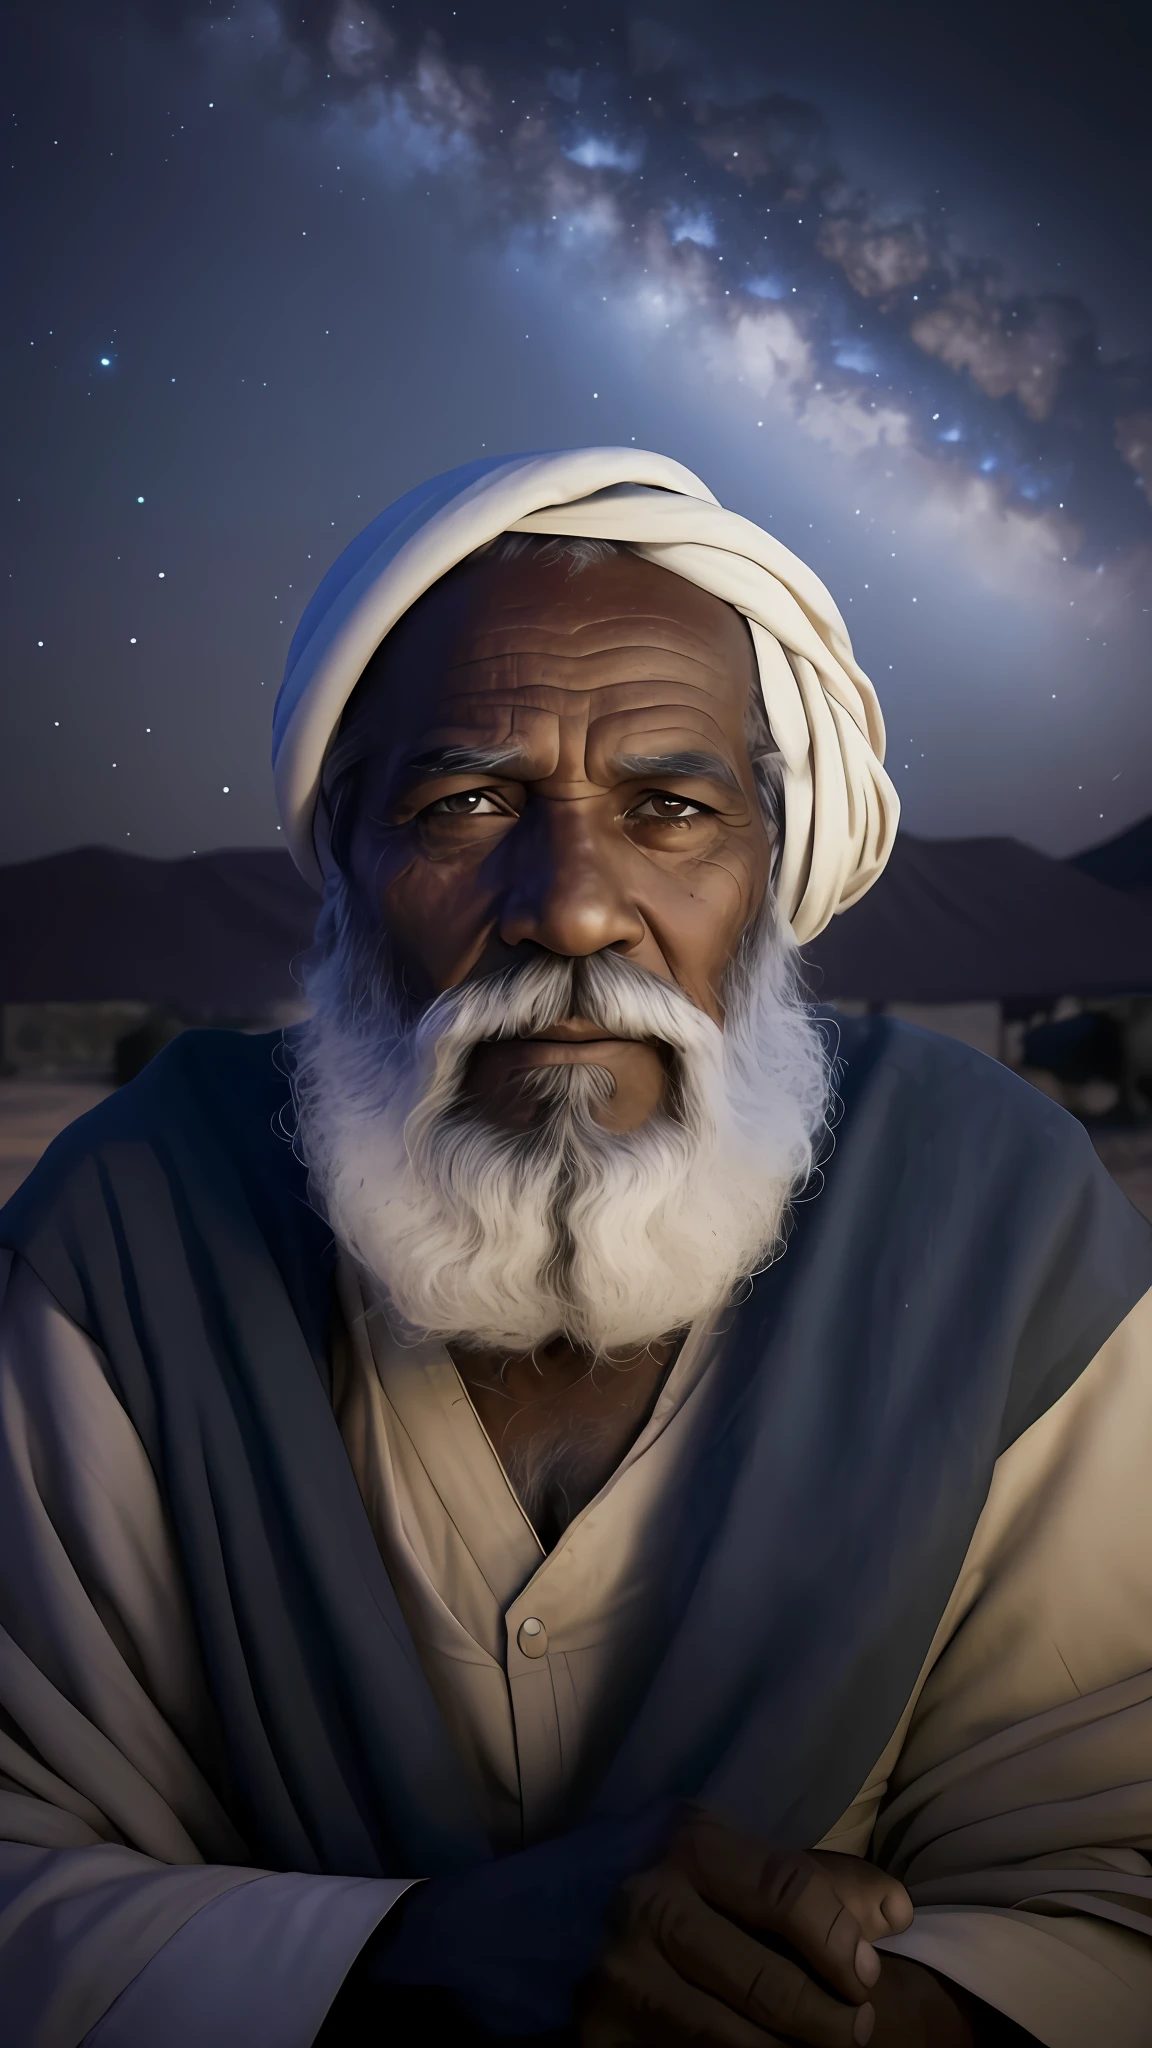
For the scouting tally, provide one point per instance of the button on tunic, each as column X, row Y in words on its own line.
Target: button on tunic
column 533, row 1656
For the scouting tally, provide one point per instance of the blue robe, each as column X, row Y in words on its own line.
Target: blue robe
column 957, row 1261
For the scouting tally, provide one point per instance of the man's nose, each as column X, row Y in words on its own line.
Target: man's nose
column 567, row 890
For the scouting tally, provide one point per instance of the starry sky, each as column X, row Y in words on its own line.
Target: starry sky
column 880, row 276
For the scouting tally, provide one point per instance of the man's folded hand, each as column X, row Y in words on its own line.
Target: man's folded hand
column 734, row 1941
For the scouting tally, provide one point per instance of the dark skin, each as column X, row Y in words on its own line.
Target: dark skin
column 571, row 848
column 606, row 800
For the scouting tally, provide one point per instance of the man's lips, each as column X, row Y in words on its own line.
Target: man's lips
column 573, row 1031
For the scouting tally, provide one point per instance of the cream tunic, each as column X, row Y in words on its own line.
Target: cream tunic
column 533, row 1657
column 1015, row 1795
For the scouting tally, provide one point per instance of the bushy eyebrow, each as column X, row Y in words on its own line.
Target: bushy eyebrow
column 466, row 760
column 691, row 764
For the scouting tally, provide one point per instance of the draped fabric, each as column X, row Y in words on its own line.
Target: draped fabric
column 840, row 808
column 1014, row 1798
column 917, row 1505
column 1028, row 1728
column 963, row 1261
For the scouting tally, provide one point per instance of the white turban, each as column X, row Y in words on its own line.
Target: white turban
column 840, row 809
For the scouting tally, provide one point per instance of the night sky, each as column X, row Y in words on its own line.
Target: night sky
column 881, row 276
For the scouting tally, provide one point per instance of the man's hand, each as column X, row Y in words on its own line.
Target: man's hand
column 732, row 1941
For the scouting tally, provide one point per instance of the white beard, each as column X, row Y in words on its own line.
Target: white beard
column 496, row 1238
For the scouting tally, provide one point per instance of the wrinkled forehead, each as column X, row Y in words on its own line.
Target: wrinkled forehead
column 497, row 625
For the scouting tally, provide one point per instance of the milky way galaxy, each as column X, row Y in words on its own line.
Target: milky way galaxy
column 272, row 264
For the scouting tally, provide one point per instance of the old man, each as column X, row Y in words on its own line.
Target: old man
column 572, row 1495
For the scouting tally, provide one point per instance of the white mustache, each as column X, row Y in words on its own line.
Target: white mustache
column 504, row 1237
column 604, row 989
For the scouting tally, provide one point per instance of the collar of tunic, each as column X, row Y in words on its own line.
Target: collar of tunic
column 532, row 1655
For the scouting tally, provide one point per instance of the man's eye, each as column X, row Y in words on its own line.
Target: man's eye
column 668, row 810
column 467, row 803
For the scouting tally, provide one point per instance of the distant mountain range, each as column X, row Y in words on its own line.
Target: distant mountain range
column 1124, row 862
column 968, row 920
column 212, row 935
column 951, row 920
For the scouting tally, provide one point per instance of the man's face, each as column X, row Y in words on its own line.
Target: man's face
column 559, row 762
